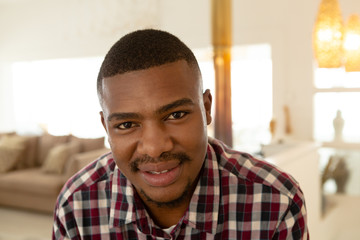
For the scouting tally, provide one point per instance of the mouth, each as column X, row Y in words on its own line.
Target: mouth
column 160, row 174
column 165, row 171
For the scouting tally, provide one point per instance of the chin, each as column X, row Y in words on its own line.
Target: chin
column 170, row 199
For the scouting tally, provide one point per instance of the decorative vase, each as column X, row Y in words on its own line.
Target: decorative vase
column 338, row 123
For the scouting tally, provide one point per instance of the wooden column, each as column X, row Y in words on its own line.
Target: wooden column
column 222, row 41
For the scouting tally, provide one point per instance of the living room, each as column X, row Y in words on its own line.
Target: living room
column 42, row 41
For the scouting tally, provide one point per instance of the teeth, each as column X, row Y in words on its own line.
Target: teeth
column 153, row 172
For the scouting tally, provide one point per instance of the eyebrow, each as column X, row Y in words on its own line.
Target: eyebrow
column 161, row 110
column 120, row 116
column 175, row 104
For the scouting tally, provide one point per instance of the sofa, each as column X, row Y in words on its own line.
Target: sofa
column 33, row 169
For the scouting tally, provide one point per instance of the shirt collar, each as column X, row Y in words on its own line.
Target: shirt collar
column 126, row 208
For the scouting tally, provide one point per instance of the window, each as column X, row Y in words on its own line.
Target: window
column 336, row 90
column 251, row 82
column 59, row 95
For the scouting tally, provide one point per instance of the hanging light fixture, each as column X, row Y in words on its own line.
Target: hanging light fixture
column 352, row 44
column 328, row 35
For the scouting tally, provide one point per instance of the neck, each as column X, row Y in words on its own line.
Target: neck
column 167, row 214
column 166, row 217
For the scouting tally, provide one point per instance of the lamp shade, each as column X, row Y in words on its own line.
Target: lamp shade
column 352, row 44
column 328, row 35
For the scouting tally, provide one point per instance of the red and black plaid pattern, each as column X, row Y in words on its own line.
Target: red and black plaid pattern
column 237, row 197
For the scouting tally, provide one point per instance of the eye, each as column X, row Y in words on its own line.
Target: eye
column 176, row 115
column 126, row 125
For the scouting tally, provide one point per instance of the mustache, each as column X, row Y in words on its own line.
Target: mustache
column 181, row 156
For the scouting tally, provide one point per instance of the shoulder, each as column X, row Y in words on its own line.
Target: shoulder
column 97, row 172
column 250, row 170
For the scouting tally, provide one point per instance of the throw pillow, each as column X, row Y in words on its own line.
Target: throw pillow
column 58, row 156
column 89, row 144
column 11, row 151
column 46, row 143
column 30, row 153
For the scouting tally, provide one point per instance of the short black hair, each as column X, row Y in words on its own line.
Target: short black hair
column 143, row 49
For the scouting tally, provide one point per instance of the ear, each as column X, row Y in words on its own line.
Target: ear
column 103, row 120
column 207, row 99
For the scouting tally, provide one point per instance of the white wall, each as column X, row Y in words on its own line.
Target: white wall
column 41, row 29
column 46, row 29
column 188, row 19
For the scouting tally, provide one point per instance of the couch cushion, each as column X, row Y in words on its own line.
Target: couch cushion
column 58, row 156
column 11, row 150
column 89, row 144
column 2, row 134
column 9, row 157
column 46, row 142
column 28, row 159
column 32, row 181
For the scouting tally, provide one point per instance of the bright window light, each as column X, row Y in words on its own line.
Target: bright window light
column 59, row 95
column 251, row 80
column 336, row 90
column 336, row 77
column 325, row 107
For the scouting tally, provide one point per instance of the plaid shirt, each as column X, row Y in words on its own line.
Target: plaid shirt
column 237, row 197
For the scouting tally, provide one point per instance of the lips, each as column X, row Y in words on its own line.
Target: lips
column 158, row 167
column 160, row 174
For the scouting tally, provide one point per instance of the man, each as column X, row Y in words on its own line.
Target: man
column 164, row 178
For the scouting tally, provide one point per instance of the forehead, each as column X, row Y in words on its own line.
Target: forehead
column 151, row 87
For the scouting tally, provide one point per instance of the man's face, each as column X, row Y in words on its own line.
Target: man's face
column 156, row 123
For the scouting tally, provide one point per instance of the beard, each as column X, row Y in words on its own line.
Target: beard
column 182, row 158
column 173, row 203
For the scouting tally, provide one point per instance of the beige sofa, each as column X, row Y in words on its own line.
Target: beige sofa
column 33, row 169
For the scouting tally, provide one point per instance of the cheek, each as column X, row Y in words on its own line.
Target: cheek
column 123, row 151
column 194, row 137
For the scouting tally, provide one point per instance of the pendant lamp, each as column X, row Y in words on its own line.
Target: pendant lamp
column 352, row 44
column 328, row 35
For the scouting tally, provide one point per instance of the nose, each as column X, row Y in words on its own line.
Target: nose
column 154, row 141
